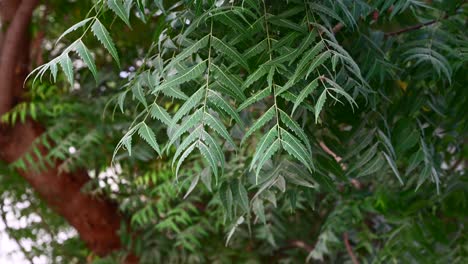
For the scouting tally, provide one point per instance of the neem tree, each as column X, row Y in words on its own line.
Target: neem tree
column 266, row 130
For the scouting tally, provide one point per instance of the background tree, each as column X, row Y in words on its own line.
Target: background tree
column 241, row 131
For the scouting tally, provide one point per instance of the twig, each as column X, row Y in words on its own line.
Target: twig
column 349, row 249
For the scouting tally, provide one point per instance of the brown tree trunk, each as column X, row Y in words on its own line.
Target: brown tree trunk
column 96, row 219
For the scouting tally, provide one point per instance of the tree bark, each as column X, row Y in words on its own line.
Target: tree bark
column 96, row 219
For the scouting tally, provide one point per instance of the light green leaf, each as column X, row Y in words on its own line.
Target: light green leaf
column 260, row 123
column 255, row 76
column 219, row 101
column 118, row 8
column 229, row 51
column 67, row 67
column 295, row 127
column 255, row 98
column 392, row 164
column 228, row 81
column 188, row 51
column 148, row 135
column 295, row 148
column 137, row 91
column 186, row 76
column 217, row 126
column 193, row 120
column 304, row 93
column 184, row 156
column 225, row 195
column 103, row 36
column 270, row 151
column 263, row 144
column 157, row 112
column 318, row 62
column 73, row 28
column 192, row 137
column 188, row 105
column 85, row 55
column 208, row 154
column 192, row 186
column 319, row 105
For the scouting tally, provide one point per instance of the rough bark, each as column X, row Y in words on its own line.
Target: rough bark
column 96, row 219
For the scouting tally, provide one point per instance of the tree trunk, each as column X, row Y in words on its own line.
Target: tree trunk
column 96, row 219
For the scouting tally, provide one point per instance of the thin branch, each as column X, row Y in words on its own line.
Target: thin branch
column 349, row 249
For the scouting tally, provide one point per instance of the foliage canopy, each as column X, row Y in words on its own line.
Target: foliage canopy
column 266, row 130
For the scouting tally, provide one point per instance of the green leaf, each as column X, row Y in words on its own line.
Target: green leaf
column 188, row 105
column 319, row 104
column 192, row 137
column 85, row 55
column 240, row 195
column 307, row 58
column 260, row 123
column 73, row 28
column 217, row 126
column 184, row 156
column 211, row 142
column 193, row 120
column 195, row 47
column 304, row 45
column 137, row 91
column 219, row 101
column 263, row 144
column 270, row 151
column 67, row 67
column 118, row 8
column 159, row 113
column 225, row 195
column 392, row 164
column 208, row 154
column 304, row 93
column 103, row 36
column 148, row 135
column 255, row 98
column 318, row 62
column 296, row 128
column 192, row 186
column 229, row 51
column 295, row 148
column 186, row 76
column 255, row 76
column 229, row 82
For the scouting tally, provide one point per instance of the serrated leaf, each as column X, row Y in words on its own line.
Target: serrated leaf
column 186, row 76
column 295, row 127
column 295, row 148
column 159, row 113
column 118, row 8
column 193, row 120
column 225, row 196
column 73, row 28
column 219, row 101
column 319, row 104
column 304, row 45
column 101, row 33
column 121, row 100
column 270, row 151
column 67, row 67
column 211, row 142
column 255, row 76
column 192, row 186
column 255, row 98
column 318, row 62
column 188, row 105
column 137, row 91
column 229, row 51
column 217, row 126
column 175, row 92
column 260, row 123
column 208, row 154
column 148, row 135
column 229, row 82
column 394, row 168
column 192, row 137
column 240, row 195
column 307, row 58
column 263, row 144
column 195, row 47
column 85, row 55
column 304, row 93
column 184, row 156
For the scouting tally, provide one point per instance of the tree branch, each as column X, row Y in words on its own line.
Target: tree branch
column 349, row 249
column 15, row 35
